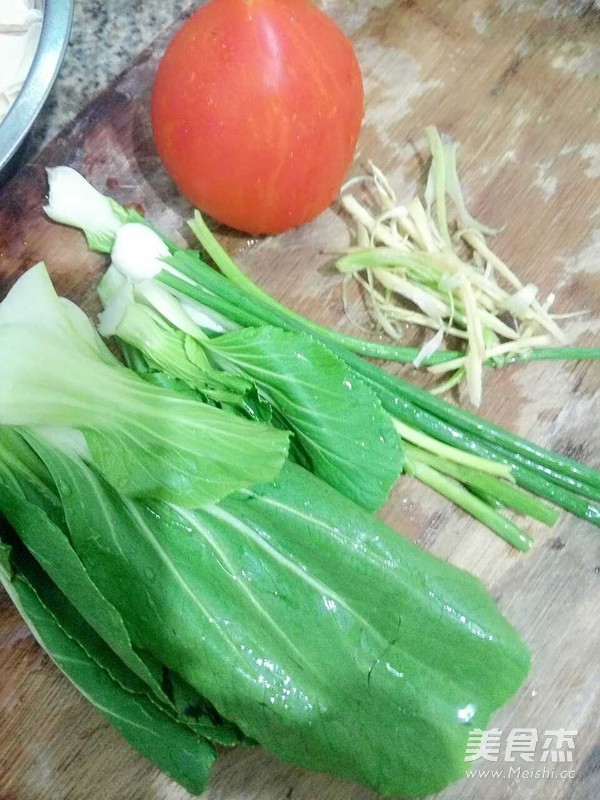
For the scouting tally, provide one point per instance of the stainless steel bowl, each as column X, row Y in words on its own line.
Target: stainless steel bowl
column 54, row 37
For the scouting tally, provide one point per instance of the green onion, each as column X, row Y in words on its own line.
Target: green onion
column 454, row 491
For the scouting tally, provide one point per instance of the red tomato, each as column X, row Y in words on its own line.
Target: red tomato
column 256, row 110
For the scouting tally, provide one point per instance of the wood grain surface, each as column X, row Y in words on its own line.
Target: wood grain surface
column 517, row 82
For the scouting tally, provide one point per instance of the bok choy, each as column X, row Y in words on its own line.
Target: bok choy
column 285, row 615
column 60, row 378
column 341, row 432
column 183, row 290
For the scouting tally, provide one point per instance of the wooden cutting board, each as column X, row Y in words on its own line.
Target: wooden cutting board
column 517, row 82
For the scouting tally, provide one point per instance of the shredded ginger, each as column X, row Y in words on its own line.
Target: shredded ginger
column 20, row 28
column 428, row 263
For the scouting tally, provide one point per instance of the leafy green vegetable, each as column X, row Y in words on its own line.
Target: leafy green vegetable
column 148, row 441
column 322, row 634
column 51, row 548
column 173, row 747
column 22, row 502
column 73, row 201
column 341, row 432
column 350, row 441
column 282, row 613
column 165, row 347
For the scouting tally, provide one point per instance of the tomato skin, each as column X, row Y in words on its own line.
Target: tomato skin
column 256, row 110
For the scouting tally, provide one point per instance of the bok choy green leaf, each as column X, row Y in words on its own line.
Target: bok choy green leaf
column 173, row 747
column 53, row 551
column 28, row 500
column 349, row 440
column 303, row 620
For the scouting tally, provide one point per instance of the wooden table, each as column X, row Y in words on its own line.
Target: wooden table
column 517, row 82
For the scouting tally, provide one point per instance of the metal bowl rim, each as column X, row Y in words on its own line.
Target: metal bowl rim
column 54, row 38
